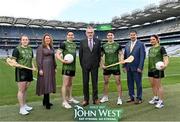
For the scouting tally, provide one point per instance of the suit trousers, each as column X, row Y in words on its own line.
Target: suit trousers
column 134, row 76
column 94, row 78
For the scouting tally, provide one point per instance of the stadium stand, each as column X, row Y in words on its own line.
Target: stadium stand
column 163, row 20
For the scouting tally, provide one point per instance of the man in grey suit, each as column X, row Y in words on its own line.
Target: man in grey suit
column 89, row 56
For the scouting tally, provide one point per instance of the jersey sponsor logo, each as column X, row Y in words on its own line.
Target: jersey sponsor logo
column 110, row 49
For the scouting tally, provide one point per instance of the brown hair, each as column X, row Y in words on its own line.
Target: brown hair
column 22, row 37
column 110, row 32
column 69, row 32
column 156, row 37
column 43, row 40
column 133, row 31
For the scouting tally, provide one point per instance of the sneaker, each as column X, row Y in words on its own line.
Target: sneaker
column 159, row 105
column 72, row 100
column 66, row 105
column 28, row 108
column 153, row 101
column 23, row 111
column 104, row 99
column 119, row 101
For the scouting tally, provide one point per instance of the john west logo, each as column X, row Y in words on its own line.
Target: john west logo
column 96, row 113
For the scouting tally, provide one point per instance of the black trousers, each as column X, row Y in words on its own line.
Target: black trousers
column 94, row 78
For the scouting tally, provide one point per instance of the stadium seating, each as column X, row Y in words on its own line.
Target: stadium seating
column 168, row 30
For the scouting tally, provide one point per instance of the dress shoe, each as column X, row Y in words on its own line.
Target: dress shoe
column 97, row 101
column 138, row 101
column 130, row 100
column 85, row 103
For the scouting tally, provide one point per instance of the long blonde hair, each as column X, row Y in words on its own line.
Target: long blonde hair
column 43, row 40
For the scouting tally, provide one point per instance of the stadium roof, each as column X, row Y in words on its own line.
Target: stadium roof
column 151, row 13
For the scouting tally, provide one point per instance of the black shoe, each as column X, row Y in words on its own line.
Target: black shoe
column 85, row 103
column 48, row 107
column 130, row 100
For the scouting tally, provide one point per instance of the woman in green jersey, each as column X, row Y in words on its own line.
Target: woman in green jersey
column 23, row 55
column 68, row 69
column 156, row 53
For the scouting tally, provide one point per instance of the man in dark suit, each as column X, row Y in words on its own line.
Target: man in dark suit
column 134, row 70
column 89, row 56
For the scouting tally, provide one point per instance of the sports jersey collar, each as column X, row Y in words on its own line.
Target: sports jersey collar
column 69, row 41
column 23, row 46
column 156, row 45
column 111, row 42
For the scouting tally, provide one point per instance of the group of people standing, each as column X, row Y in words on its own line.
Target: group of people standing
column 91, row 55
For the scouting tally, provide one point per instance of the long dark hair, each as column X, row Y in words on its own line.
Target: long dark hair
column 156, row 37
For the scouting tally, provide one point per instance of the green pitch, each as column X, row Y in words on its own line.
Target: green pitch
column 8, row 86
column 131, row 112
column 8, row 100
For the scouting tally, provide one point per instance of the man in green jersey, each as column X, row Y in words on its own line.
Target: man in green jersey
column 112, row 52
column 156, row 54
column 68, row 69
column 23, row 55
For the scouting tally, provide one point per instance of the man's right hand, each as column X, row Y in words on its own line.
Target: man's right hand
column 104, row 67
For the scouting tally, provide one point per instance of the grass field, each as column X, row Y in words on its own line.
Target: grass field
column 8, row 100
column 131, row 112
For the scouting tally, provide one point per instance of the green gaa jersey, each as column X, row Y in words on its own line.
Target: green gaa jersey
column 69, row 47
column 155, row 54
column 23, row 55
column 111, row 51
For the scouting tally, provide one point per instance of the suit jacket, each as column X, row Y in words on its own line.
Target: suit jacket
column 139, row 54
column 89, row 59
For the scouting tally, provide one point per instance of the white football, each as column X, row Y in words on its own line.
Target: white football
column 69, row 58
column 159, row 65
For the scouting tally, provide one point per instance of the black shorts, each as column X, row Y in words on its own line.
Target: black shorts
column 156, row 74
column 23, row 75
column 68, row 73
column 109, row 72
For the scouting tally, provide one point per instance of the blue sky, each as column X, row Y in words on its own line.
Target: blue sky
column 71, row 10
column 102, row 10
